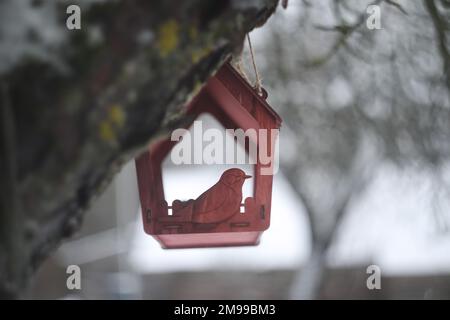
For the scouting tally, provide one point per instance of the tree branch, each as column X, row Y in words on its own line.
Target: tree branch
column 83, row 104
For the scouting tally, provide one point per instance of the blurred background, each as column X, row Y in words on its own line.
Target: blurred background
column 364, row 179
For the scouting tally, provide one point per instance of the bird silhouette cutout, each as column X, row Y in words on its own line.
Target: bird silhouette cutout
column 216, row 204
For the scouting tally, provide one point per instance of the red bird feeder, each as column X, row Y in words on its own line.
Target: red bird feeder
column 215, row 218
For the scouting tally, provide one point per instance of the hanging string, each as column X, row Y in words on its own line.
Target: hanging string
column 240, row 67
column 257, row 78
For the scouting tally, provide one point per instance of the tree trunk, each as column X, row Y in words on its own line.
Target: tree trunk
column 308, row 281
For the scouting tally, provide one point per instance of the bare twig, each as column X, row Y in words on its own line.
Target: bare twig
column 440, row 26
column 345, row 30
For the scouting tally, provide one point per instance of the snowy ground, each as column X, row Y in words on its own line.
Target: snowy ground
column 394, row 225
column 391, row 225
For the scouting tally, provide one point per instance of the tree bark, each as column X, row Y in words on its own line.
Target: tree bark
column 76, row 104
